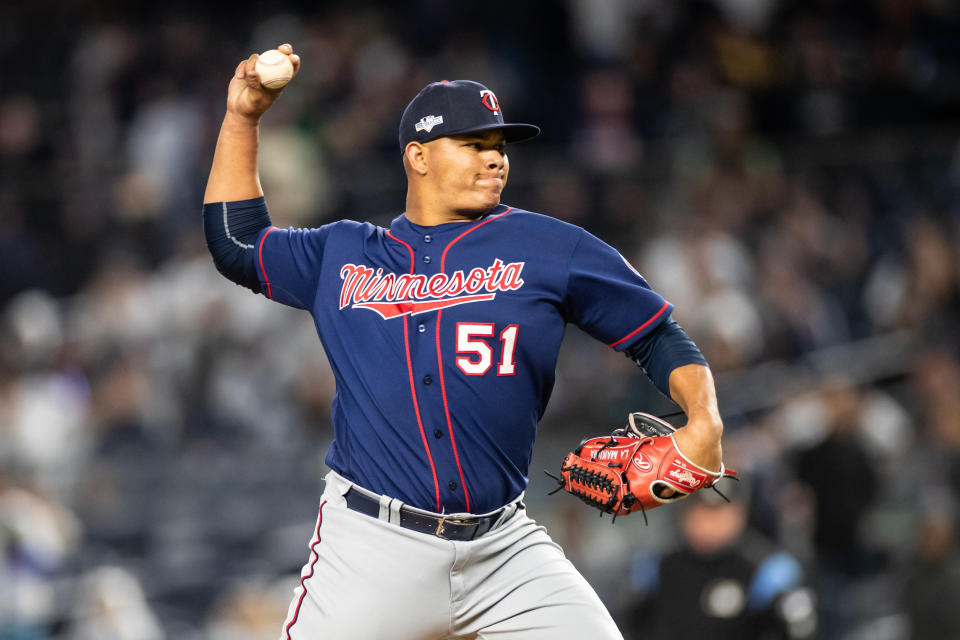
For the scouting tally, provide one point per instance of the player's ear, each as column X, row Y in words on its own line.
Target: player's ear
column 415, row 158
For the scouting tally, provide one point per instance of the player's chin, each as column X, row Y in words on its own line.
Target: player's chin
column 488, row 196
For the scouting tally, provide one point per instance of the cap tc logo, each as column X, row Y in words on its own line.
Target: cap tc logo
column 427, row 123
column 490, row 101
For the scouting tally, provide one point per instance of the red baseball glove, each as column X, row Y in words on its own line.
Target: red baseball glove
column 630, row 470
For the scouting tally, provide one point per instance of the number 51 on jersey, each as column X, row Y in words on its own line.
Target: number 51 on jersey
column 479, row 358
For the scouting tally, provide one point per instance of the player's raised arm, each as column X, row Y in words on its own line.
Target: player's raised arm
column 235, row 216
column 234, row 174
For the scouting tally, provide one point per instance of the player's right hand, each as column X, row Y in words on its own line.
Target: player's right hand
column 246, row 97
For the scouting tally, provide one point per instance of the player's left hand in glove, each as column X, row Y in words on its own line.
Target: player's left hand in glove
column 634, row 469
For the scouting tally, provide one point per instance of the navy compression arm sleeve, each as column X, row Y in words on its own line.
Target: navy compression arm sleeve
column 231, row 229
column 663, row 350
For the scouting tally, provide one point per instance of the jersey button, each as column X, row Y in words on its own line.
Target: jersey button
column 427, row 380
column 421, row 328
column 427, row 238
column 453, row 486
column 426, row 259
column 437, row 434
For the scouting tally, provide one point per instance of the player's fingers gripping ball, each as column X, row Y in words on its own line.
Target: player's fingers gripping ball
column 633, row 468
column 274, row 69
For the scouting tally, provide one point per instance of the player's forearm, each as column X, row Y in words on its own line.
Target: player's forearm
column 692, row 388
column 234, row 175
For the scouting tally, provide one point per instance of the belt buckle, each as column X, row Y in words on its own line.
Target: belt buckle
column 441, row 526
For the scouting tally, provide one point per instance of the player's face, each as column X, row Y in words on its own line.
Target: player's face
column 469, row 171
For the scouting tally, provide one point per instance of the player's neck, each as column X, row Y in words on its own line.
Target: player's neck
column 429, row 213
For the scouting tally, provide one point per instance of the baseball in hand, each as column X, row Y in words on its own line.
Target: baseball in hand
column 274, row 69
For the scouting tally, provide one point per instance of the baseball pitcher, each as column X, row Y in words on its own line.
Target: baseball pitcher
column 443, row 331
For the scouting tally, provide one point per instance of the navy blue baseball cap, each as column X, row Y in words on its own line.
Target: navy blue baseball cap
column 449, row 108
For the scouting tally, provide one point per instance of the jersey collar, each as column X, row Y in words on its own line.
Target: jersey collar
column 401, row 225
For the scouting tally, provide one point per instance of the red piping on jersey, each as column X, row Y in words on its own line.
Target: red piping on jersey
column 446, row 411
column 409, row 248
column 303, row 579
column 643, row 326
column 413, row 388
column 260, row 256
column 473, row 228
column 443, row 386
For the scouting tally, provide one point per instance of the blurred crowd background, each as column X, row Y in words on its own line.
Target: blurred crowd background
column 787, row 173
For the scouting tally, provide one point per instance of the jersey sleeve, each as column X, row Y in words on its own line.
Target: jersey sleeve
column 607, row 298
column 288, row 264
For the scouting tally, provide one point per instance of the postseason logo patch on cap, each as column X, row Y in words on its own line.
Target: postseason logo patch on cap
column 427, row 123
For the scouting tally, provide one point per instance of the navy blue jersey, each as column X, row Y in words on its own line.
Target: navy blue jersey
column 443, row 341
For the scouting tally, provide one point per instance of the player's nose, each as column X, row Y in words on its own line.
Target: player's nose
column 493, row 160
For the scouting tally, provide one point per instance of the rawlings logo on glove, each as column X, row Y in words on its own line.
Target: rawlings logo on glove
column 633, row 468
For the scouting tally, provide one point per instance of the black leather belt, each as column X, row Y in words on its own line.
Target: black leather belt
column 457, row 528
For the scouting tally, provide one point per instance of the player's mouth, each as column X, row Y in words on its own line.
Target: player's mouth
column 492, row 182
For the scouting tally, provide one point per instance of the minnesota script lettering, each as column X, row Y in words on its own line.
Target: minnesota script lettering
column 392, row 295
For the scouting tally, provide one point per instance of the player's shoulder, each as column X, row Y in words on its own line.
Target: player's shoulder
column 534, row 219
column 542, row 226
column 339, row 233
column 351, row 228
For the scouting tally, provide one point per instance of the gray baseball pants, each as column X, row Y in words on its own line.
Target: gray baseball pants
column 369, row 579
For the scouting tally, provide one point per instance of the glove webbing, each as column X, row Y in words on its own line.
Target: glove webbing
column 586, row 473
column 597, row 480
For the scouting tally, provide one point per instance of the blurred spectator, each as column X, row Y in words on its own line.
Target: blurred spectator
column 931, row 591
column 112, row 605
column 935, row 460
column 844, row 485
column 725, row 580
column 250, row 611
column 839, row 460
column 44, row 398
column 606, row 140
column 39, row 537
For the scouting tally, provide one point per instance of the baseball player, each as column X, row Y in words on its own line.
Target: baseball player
column 443, row 332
